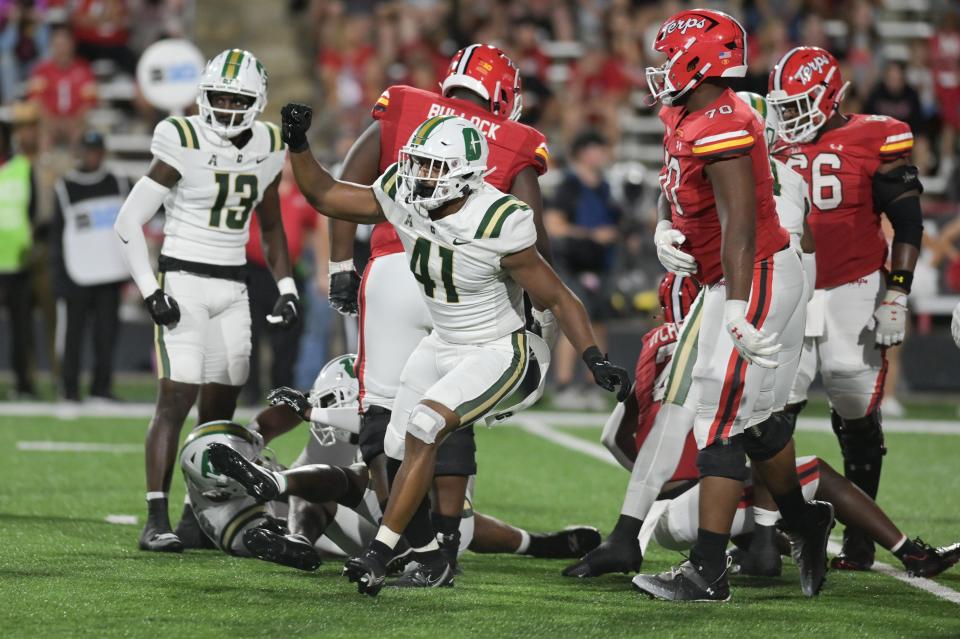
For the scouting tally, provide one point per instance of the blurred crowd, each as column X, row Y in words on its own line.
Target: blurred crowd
column 64, row 62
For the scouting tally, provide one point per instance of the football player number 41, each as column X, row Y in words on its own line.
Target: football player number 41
column 236, row 216
column 420, row 265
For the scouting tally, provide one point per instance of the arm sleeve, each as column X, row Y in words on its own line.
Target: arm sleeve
column 166, row 145
column 145, row 198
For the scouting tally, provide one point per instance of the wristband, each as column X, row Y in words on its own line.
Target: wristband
column 341, row 267
column 287, row 286
column 592, row 355
column 900, row 279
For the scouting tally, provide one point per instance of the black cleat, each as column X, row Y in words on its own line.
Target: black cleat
column 570, row 543
column 294, row 551
column 857, row 553
column 809, row 546
column 683, row 583
column 259, row 482
column 156, row 540
column 610, row 556
column 436, row 574
column 762, row 559
column 450, row 548
column 368, row 571
column 189, row 532
column 403, row 555
column 930, row 562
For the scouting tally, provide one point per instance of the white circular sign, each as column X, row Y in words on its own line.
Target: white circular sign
column 168, row 73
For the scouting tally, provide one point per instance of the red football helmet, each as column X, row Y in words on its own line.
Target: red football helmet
column 806, row 90
column 699, row 44
column 677, row 293
column 488, row 72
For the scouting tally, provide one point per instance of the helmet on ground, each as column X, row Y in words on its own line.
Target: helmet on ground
column 336, row 386
column 195, row 463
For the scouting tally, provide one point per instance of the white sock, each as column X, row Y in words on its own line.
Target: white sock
column 157, row 494
column 432, row 545
column 897, row 546
column 524, row 543
column 388, row 537
column 764, row 517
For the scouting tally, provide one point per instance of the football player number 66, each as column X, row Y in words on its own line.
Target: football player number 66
column 826, row 188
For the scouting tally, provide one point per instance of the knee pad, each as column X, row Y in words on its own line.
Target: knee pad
column 764, row 440
column 425, row 423
column 861, row 440
column 724, row 460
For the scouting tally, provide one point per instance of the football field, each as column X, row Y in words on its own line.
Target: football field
column 65, row 571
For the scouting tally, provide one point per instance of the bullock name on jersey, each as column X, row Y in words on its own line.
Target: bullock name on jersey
column 208, row 209
column 726, row 128
column 456, row 259
column 512, row 146
column 839, row 166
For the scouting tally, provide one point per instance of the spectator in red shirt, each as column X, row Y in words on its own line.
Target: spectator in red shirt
column 65, row 89
column 101, row 28
column 299, row 225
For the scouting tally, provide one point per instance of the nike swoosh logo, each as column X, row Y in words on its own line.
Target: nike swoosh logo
column 261, row 160
column 123, row 240
column 458, row 242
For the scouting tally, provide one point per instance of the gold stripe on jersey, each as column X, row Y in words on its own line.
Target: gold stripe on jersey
column 389, row 181
column 188, row 135
column 897, row 146
column 726, row 145
column 496, row 215
column 222, row 427
column 685, row 356
column 472, row 410
column 276, row 142
column 239, row 520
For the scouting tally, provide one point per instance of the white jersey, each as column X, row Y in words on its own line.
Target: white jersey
column 208, row 210
column 456, row 260
column 791, row 197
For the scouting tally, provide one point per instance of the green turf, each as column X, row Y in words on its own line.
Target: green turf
column 65, row 572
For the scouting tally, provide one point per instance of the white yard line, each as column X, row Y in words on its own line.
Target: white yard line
column 78, row 447
column 537, row 424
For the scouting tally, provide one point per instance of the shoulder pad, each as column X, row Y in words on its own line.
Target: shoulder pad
column 389, row 181
column 496, row 216
column 178, row 129
column 714, row 134
column 382, row 105
column 276, row 142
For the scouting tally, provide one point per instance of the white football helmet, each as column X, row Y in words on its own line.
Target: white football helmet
column 771, row 119
column 196, row 465
column 232, row 71
column 335, row 387
column 445, row 158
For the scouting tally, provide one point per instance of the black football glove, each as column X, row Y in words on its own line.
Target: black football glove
column 292, row 398
column 163, row 308
column 286, row 312
column 295, row 122
column 344, row 290
column 607, row 376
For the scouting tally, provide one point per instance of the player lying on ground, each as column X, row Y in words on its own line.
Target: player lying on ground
column 324, row 477
column 209, row 172
column 472, row 249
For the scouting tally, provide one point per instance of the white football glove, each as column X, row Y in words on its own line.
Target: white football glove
column 754, row 345
column 890, row 319
column 667, row 239
column 549, row 329
column 955, row 325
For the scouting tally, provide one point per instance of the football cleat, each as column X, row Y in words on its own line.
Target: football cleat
column 763, row 557
column 368, row 571
column 684, row 583
column 290, row 550
column 809, row 546
column 154, row 540
column 259, row 482
column 189, row 532
column 570, row 543
column 436, row 574
column 402, row 557
column 857, row 553
column 931, row 561
column 610, row 556
column 450, row 548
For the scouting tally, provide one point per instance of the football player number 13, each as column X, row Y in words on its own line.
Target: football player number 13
column 236, row 216
column 420, row 265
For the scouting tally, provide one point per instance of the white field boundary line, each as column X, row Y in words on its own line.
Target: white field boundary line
column 537, row 426
column 78, row 447
column 555, row 418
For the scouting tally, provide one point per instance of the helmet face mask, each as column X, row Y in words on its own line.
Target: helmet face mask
column 336, row 386
column 805, row 90
column 445, row 159
column 237, row 73
column 197, row 469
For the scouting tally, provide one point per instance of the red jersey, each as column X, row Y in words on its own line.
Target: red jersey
column 298, row 218
column 401, row 109
column 654, row 360
column 63, row 91
column 727, row 128
column 839, row 167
